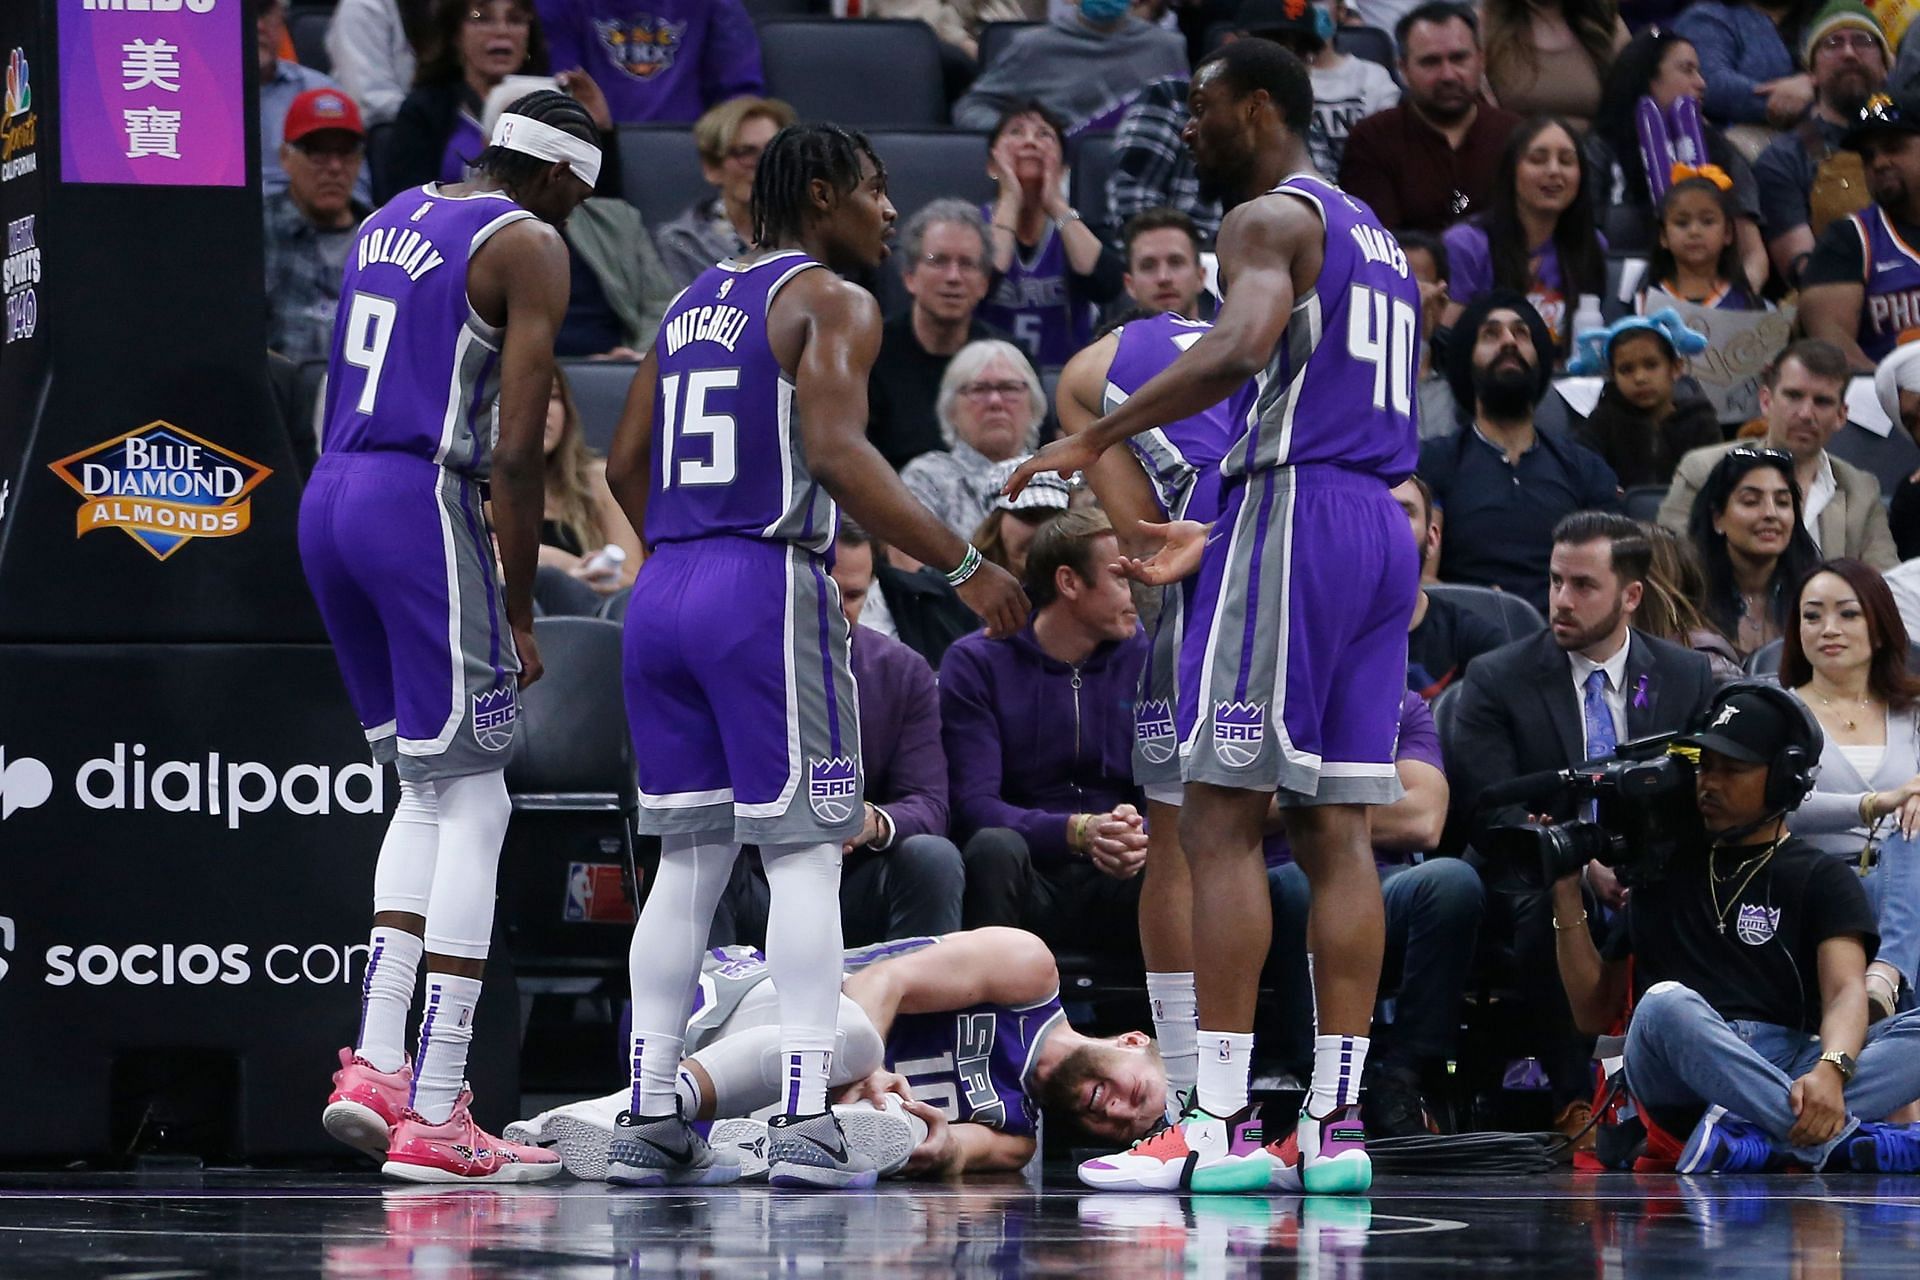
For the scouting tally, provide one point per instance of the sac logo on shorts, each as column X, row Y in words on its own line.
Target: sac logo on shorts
column 1756, row 924
column 644, row 47
column 163, row 487
column 1239, row 731
column 1153, row 730
column 833, row 788
column 493, row 715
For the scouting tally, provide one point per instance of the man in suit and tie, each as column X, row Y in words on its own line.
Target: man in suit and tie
column 1571, row 694
column 1803, row 397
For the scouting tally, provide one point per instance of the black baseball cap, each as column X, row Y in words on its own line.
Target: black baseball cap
column 1747, row 725
column 1259, row 17
column 1884, row 113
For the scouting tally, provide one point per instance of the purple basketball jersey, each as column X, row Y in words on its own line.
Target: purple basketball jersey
column 1182, row 459
column 1339, row 388
column 1032, row 302
column 976, row 1065
column 413, row 369
column 726, row 446
column 1892, row 311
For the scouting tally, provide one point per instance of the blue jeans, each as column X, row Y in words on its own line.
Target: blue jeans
column 1433, row 923
column 1893, row 887
column 1682, row 1056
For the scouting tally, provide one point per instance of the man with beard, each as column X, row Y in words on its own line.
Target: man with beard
column 1807, row 179
column 1290, row 682
column 1505, row 483
column 1431, row 161
column 1571, row 694
column 965, row 1030
column 1863, row 282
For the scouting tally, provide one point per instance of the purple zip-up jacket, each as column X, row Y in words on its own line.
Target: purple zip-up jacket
column 1026, row 748
column 656, row 59
column 900, row 746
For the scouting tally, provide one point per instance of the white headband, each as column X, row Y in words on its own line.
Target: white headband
column 1900, row 371
column 536, row 138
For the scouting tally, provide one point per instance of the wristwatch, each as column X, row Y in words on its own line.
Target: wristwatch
column 1842, row 1062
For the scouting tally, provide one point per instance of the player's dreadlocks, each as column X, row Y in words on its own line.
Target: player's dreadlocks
column 799, row 153
column 516, row 169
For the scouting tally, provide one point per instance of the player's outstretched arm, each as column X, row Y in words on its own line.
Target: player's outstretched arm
column 1258, row 244
column 1118, row 479
column 839, row 343
column 630, row 459
column 525, row 265
column 977, row 966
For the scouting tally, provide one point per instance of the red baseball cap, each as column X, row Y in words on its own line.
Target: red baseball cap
column 317, row 110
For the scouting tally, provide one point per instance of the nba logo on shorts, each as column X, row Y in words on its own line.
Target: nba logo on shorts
column 493, row 715
column 1153, row 730
column 1756, row 924
column 832, row 787
column 1239, row 731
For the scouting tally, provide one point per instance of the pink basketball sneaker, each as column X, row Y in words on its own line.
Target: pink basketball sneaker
column 366, row 1103
column 461, row 1151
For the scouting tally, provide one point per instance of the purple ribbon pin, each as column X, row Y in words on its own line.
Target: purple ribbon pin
column 1640, row 694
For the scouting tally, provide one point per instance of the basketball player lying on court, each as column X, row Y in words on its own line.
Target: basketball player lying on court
column 947, row 1049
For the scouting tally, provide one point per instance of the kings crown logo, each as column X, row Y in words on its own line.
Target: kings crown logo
column 1756, row 924
column 833, row 788
column 644, row 47
column 163, row 487
column 1239, row 731
column 1153, row 730
column 493, row 715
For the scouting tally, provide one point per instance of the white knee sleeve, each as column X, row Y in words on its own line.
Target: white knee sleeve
column 473, row 813
column 747, row 1068
column 804, row 941
column 663, row 961
column 403, row 877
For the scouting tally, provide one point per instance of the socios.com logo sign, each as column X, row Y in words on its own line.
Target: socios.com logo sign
column 200, row 964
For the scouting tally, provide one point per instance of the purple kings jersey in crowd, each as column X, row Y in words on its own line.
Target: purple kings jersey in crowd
column 1033, row 303
column 1339, row 388
column 1182, row 459
column 1891, row 314
column 413, row 370
column 726, row 445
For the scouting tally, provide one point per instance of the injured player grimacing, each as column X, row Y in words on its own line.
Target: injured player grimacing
column 947, row 1050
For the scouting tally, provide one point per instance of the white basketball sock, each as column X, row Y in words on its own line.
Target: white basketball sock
column 1226, row 1060
column 386, row 994
column 1176, row 1026
column 663, row 962
column 446, row 1031
column 804, row 955
column 1337, row 1063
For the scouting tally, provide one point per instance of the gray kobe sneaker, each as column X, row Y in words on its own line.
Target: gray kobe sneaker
column 665, row 1151
column 812, row 1151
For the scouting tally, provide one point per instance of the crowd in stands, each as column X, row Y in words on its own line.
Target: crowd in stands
column 1587, row 199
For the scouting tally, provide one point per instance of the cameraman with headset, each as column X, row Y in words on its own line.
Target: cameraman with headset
column 1748, row 961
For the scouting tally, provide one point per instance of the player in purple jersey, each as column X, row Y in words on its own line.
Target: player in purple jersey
column 746, row 423
column 1306, row 586
column 1170, row 473
column 960, row 1040
column 436, row 397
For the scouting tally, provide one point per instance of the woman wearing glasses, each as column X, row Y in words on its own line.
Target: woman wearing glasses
column 1845, row 656
column 1746, row 527
column 990, row 409
column 730, row 138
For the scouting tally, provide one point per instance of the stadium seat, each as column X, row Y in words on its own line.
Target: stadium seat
column 861, row 74
column 1092, row 161
column 614, row 607
column 307, row 27
column 996, row 36
column 925, row 164
column 1370, row 43
column 1643, row 501
column 567, row 876
column 1443, row 707
column 1629, row 228
column 1515, row 616
column 1890, row 458
column 660, row 171
column 379, row 138
column 600, row 392
column 1764, row 662
column 558, row 594
column 761, row 10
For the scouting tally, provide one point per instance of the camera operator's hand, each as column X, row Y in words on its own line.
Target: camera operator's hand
column 1819, row 1099
column 1606, row 885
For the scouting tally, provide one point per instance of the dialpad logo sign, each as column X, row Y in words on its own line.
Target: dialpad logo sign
column 163, row 486
column 25, row 783
column 832, row 787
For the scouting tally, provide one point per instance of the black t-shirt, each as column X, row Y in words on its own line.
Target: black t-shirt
column 904, row 389
column 1765, row 966
column 1447, row 639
